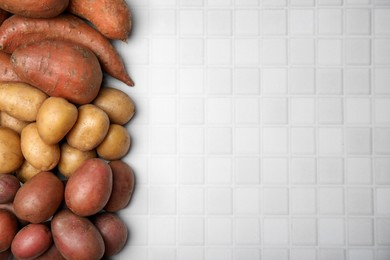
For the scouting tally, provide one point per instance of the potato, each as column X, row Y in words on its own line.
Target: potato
column 60, row 69
column 90, row 128
column 12, row 122
column 35, row 8
column 21, row 100
column 72, row 158
column 11, row 155
column 55, row 118
column 116, row 144
column 51, row 254
column 113, row 231
column 31, row 241
column 8, row 227
column 39, row 154
column 39, row 198
column 76, row 237
column 89, row 188
column 117, row 104
column 122, row 186
column 26, row 171
column 9, row 185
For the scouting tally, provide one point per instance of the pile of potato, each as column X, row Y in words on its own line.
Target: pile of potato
column 63, row 134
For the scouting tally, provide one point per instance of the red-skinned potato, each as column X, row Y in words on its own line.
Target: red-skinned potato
column 113, row 231
column 51, row 254
column 8, row 227
column 31, row 241
column 9, row 185
column 39, row 198
column 76, row 237
column 6, row 255
column 122, row 186
column 89, row 188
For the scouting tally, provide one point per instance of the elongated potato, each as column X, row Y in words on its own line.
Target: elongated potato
column 21, row 100
column 117, row 104
column 35, row 8
column 55, row 118
column 72, row 158
column 60, row 69
column 90, row 128
column 76, row 237
column 26, row 171
column 12, row 122
column 39, row 154
column 18, row 30
column 39, row 198
column 116, row 144
column 11, row 155
column 7, row 73
column 111, row 17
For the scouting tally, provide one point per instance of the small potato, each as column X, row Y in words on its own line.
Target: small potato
column 116, row 144
column 9, row 185
column 39, row 154
column 89, row 188
column 11, row 155
column 39, row 198
column 8, row 227
column 55, row 118
column 122, row 186
column 90, row 128
column 76, row 237
column 12, row 122
column 113, row 231
column 26, row 171
column 51, row 254
column 116, row 103
column 72, row 158
column 31, row 241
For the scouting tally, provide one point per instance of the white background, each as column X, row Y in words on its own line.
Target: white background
column 262, row 130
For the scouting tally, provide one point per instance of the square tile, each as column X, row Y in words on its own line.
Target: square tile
column 382, row 170
column 302, row 2
column 246, row 81
column 275, row 140
column 383, row 231
column 162, row 170
column 303, row 140
column 164, row 21
column 332, row 253
column 219, row 51
column 330, row 111
column 246, row 51
column 302, row 110
column 361, row 254
column 247, row 2
column 191, row 22
column 382, row 200
column 274, row 81
column 191, row 200
column 330, row 170
column 246, row 140
column 246, row 111
column 275, row 231
column 358, row 140
column 191, row 2
column 329, row 51
column 301, row 21
column 382, row 51
column 218, row 254
column 304, row 231
column 329, row 81
column 303, row 171
column 273, row 3
column 358, row 2
column 219, row 81
column 191, row 170
column 275, row 253
column 246, row 22
column 301, row 81
column 274, row 110
column 274, row 22
column 163, row 81
column 219, row 111
column 191, row 230
column 247, row 170
column 330, row 21
column 191, row 140
column 191, row 111
column 331, row 231
column 191, row 51
column 331, row 201
column 247, row 253
column 303, row 201
column 360, row 201
column 247, row 231
column 359, row 170
column 275, row 201
column 360, row 232
column 381, row 140
column 358, row 21
column 162, row 230
column 247, row 201
column 219, row 140
column 274, row 171
column 190, row 253
column 163, row 51
column 381, row 106
column 219, row 22
column 190, row 79
column 382, row 21
column 302, row 51
column 162, row 110
column 219, row 231
column 357, row 81
column 303, row 254
column 273, row 51
column 139, row 227
column 219, row 201
column 330, row 140
column 330, row 2
column 358, row 110
column 162, row 200
column 357, row 51
column 163, row 140
column 219, row 170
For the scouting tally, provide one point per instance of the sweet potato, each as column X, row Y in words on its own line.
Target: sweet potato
column 7, row 72
column 18, row 30
column 110, row 17
column 60, row 69
column 35, row 8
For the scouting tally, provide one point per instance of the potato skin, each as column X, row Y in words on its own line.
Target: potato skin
column 76, row 237
column 6, row 255
column 89, row 188
column 60, row 69
column 11, row 155
column 72, row 158
column 35, row 8
column 9, row 185
column 116, row 144
column 8, row 227
column 55, row 118
column 90, row 128
column 21, row 100
column 34, row 205
column 51, row 254
column 113, row 231
column 31, row 241
column 122, row 186
column 12, row 122
column 117, row 104
column 26, row 171
column 7, row 73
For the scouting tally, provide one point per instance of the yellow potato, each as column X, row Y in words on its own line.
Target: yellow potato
column 12, row 122
column 26, row 171
column 116, row 144
column 72, row 158
column 116, row 103
column 21, row 100
column 11, row 157
column 90, row 128
column 55, row 118
column 39, row 154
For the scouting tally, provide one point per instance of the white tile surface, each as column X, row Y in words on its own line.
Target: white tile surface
column 262, row 130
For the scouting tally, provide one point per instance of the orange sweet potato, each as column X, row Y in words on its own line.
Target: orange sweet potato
column 60, row 69
column 18, row 30
column 7, row 73
column 110, row 17
column 35, row 8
